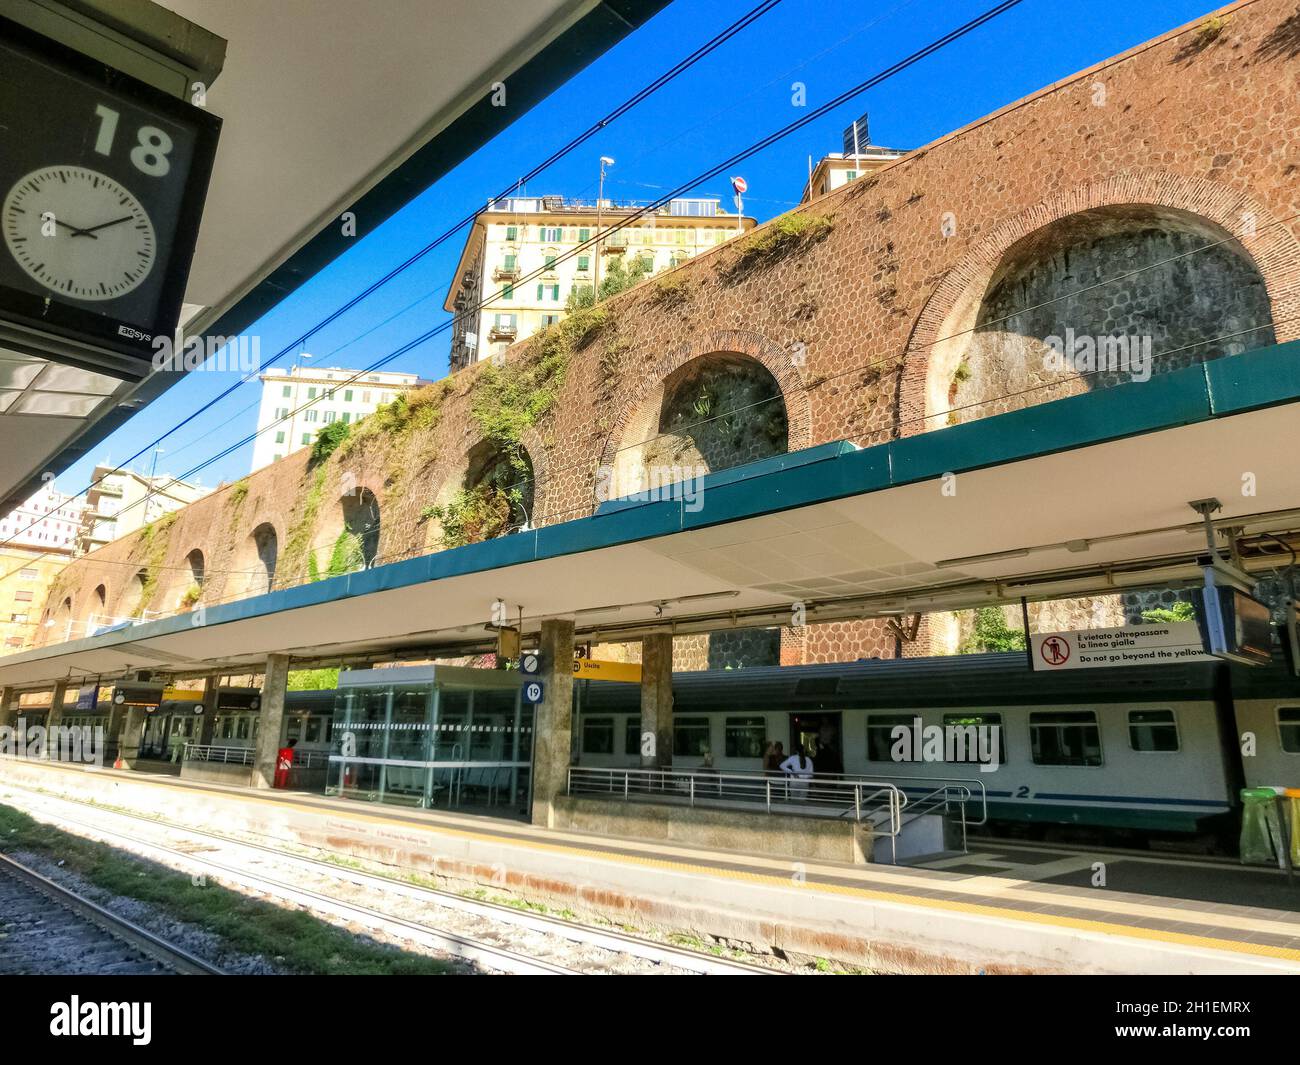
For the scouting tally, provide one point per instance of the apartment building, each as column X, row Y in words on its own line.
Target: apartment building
column 298, row 403
column 37, row 539
column 122, row 501
column 858, row 159
column 555, row 239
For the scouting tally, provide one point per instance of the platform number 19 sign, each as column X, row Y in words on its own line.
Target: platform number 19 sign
column 533, row 691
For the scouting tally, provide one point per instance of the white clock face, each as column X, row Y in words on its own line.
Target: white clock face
column 78, row 233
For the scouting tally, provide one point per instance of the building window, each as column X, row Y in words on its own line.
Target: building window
column 347, row 395
column 880, row 737
column 550, row 319
column 329, row 416
column 632, row 737
column 1152, row 730
column 347, row 417
column 969, row 740
column 18, row 618
column 1065, row 737
column 311, row 393
column 22, row 597
column 281, row 413
column 512, row 232
column 552, row 235
column 598, row 735
column 691, row 737
column 511, row 261
column 306, row 438
column 504, row 321
column 548, row 292
column 27, row 574
column 286, row 392
column 1288, row 727
column 507, row 292
column 279, row 437
column 746, row 737
column 584, row 235
column 365, row 397
column 584, row 263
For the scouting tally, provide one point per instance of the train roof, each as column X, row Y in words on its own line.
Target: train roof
column 957, row 680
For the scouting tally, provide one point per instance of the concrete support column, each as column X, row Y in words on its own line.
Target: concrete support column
column 132, row 732
column 272, row 720
column 553, row 720
column 54, row 718
column 657, row 700
column 208, row 724
column 8, row 707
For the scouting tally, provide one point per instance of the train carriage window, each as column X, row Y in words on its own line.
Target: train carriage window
column 315, row 732
column 691, row 737
column 746, row 737
column 241, row 728
column 969, row 739
column 1152, row 730
column 598, row 735
column 1065, row 737
column 1288, row 728
column 880, row 737
column 632, row 736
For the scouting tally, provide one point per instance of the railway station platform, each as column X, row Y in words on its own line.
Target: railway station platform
column 1003, row 907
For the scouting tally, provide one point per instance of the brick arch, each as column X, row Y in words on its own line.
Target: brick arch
column 774, row 358
column 1273, row 249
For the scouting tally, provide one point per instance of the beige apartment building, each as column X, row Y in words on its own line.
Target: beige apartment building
column 122, row 501
column 858, row 159
column 515, row 238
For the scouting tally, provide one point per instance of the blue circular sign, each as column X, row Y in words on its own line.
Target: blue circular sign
column 533, row 691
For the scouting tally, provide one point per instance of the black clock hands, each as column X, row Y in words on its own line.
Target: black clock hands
column 76, row 231
column 104, row 225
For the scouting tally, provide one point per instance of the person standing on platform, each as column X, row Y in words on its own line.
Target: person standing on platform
column 774, row 757
column 799, row 768
column 284, row 764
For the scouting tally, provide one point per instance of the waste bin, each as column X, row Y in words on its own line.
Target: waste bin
column 1292, row 797
column 1261, row 828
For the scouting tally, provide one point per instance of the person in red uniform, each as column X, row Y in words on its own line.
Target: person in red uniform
column 284, row 763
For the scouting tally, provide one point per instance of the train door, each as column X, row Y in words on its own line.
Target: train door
column 821, row 735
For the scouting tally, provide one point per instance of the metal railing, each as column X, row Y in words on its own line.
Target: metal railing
column 886, row 804
column 207, row 752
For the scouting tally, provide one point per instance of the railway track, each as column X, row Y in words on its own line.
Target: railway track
column 542, row 930
column 47, row 929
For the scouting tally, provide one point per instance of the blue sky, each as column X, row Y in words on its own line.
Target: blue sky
column 740, row 93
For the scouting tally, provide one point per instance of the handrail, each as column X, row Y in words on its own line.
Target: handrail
column 877, row 803
column 208, row 752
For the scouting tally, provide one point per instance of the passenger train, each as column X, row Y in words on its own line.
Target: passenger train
column 1152, row 749
column 1161, row 748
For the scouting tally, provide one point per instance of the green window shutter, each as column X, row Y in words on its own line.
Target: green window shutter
column 347, row 395
column 508, row 292
column 584, row 235
column 512, row 232
column 584, row 262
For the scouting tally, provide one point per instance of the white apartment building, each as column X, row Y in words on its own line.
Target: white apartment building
column 325, row 394
column 514, row 238
column 48, row 520
column 122, row 501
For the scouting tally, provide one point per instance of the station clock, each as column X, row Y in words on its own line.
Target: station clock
column 102, row 183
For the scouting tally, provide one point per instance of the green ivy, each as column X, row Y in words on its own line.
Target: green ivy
column 1180, row 611
column 992, row 633
column 297, row 548
column 475, row 514
column 328, row 440
column 347, row 556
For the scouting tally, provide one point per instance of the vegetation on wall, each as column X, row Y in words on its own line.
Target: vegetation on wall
column 786, row 236
column 152, row 545
column 297, row 548
column 328, row 440
column 992, row 633
column 417, row 410
column 347, row 555
column 1181, row 611
column 475, row 514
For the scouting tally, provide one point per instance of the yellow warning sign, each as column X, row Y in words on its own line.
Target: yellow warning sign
column 593, row 669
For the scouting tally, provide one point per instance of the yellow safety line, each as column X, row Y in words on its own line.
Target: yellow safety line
column 874, row 894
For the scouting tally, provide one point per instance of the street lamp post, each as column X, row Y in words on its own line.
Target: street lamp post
column 605, row 161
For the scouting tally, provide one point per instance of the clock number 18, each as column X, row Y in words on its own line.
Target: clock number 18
column 149, row 156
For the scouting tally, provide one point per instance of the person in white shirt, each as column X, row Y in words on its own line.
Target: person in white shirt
column 798, row 768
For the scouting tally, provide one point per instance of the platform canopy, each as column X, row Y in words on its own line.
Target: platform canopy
column 327, row 106
column 1082, row 496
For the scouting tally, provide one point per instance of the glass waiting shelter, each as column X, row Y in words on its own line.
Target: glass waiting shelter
column 433, row 736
